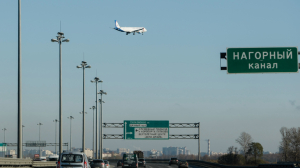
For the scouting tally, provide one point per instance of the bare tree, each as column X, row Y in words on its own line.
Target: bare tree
column 290, row 144
column 244, row 140
column 284, row 144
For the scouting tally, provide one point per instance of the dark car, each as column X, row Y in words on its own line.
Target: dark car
column 99, row 163
column 119, row 163
column 142, row 162
column 183, row 164
column 173, row 161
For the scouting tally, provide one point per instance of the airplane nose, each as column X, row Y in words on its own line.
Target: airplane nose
column 145, row 30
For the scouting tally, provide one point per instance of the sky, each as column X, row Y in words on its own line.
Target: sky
column 172, row 72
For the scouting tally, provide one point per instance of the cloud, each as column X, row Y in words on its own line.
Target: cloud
column 298, row 107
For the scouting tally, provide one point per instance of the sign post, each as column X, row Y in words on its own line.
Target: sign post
column 146, row 129
column 262, row 60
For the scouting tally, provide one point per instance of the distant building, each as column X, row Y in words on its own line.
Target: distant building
column 122, row 150
column 174, row 151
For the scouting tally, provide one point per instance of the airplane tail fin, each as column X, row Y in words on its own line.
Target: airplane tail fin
column 117, row 24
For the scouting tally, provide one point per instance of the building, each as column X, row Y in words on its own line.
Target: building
column 174, row 151
column 122, row 150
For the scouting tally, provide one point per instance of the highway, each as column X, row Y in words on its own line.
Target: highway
column 152, row 165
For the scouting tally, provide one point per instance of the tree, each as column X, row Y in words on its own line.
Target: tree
column 244, row 140
column 290, row 144
column 232, row 158
column 255, row 150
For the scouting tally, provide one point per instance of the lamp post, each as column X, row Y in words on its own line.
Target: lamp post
column 55, row 134
column 101, row 120
column 83, row 66
column 22, row 136
column 39, row 124
column 83, row 125
column 71, row 118
column 93, row 132
column 96, row 80
column 20, row 145
column 59, row 39
column 4, row 129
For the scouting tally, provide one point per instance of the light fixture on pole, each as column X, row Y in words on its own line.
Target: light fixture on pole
column 101, row 120
column 83, row 66
column 96, row 80
column 39, row 124
column 56, row 120
column 59, row 39
column 93, row 131
column 71, row 118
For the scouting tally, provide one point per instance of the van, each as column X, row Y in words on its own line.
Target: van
column 73, row 159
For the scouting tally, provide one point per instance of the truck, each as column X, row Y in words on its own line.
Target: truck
column 139, row 154
column 36, row 157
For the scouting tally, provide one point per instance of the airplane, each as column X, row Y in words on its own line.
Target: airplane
column 129, row 30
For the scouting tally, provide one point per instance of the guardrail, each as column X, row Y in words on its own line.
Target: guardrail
column 25, row 163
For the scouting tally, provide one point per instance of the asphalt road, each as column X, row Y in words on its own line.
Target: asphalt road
column 153, row 165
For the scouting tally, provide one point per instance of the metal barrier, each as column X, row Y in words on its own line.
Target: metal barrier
column 44, row 164
column 10, row 162
column 25, row 163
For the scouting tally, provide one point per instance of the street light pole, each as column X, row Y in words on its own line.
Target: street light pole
column 83, row 66
column 71, row 117
column 20, row 145
column 55, row 134
column 22, row 136
column 4, row 129
column 60, row 37
column 83, row 125
column 96, row 80
column 93, row 132
column 39, row 124
column 101, row 120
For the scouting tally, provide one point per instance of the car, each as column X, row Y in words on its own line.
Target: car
column 173, row 161
column 53, row 158
column 119, row 163
column 142, row 162
column 98, row 163
column 130, row 161
column 73, row 159
column 183, row 164
column 106, row 164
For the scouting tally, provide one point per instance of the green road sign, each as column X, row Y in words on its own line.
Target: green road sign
column 262, row 60
column 146, row 129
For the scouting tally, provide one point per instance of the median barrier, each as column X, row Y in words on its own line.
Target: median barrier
column 47, row 164
column 14, row 162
